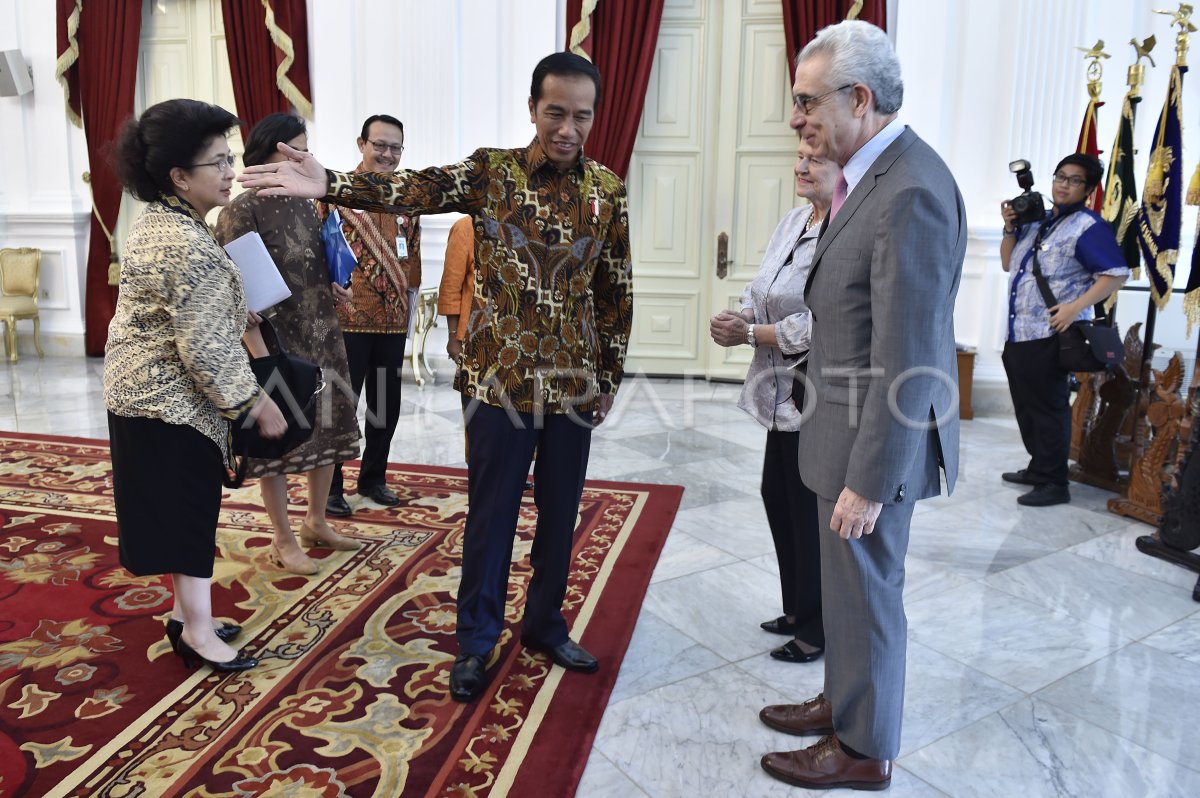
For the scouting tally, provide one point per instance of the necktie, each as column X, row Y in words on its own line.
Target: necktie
column 839, row 196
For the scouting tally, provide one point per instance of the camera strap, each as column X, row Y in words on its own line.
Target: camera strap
column 1043, row 284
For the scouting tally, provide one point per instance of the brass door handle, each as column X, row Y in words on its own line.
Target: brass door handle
column 722, row 256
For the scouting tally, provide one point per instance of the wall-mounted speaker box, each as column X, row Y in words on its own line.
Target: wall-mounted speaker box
column 15, row 77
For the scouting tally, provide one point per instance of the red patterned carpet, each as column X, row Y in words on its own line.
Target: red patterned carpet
column 350, row 697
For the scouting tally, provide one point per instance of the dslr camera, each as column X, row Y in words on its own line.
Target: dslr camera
column 1029, row 205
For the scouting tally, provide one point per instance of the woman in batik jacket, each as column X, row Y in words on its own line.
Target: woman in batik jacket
column 175, row 372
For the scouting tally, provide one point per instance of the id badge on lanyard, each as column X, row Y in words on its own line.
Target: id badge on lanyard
column 401, row 246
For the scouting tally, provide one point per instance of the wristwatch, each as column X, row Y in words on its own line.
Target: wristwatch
column 750, row 339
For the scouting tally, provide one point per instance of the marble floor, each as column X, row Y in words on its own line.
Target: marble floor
column 1047, row 657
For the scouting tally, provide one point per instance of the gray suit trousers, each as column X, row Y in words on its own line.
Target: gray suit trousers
column 862, row 585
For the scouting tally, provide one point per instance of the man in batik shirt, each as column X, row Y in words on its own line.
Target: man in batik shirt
column 542, row 359
column 375, row 322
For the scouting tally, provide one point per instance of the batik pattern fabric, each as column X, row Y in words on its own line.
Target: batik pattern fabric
column 305, row 323
column 175, row 341
column 381, row 278
column 1077, row 247
column 553, row 279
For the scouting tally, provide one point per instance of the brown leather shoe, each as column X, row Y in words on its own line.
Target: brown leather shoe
column 814, row 716
column 826, row 766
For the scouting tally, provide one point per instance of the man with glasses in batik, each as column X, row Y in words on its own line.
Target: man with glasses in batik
column 375, row 321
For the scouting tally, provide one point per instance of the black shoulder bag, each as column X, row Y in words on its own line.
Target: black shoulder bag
column 1085, row 345
column 295, row 385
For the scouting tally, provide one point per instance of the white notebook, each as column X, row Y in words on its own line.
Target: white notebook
column 264, row 285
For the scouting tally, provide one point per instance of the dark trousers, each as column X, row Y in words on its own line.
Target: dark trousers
column 1041, row 398
column 376, row 359
column 792, row 515
column 497, row 465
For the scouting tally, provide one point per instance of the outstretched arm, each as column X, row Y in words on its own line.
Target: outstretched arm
column 301, row 175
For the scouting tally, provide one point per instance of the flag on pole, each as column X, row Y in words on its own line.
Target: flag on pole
column 1162, row 195
column 1191, row 294
column 1087, row 146
column 1120, row 195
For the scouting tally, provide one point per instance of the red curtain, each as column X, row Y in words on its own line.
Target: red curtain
column 803, row 18
column 622, row 43
column 267, row 44
column 100, row 83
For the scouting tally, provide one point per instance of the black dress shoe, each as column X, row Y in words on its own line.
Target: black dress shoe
column 779, row 626
column 569, row 655
column 1045, row 495
column 381, row 494
column 791, row 652
column 1019, row 478
column 337, row 506
column 466, row 677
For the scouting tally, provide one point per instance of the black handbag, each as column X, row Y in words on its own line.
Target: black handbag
column 1085, row 345
column 295, row 385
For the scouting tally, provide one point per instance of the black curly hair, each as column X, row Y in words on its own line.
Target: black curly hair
column 168, row 134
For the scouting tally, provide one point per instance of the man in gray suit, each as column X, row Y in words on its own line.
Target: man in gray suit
column 883, row 380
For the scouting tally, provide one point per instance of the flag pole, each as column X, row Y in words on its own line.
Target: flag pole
column 1182, row 19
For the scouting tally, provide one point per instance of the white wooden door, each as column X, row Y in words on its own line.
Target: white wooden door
column 714, row 155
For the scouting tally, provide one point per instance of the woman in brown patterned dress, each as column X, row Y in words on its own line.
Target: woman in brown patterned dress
column 306, row 324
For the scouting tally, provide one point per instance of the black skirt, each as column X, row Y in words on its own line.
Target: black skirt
column 167, row 491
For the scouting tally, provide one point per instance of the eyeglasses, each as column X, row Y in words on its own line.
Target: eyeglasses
column 1074, row 181
column 807, row 104
column 382, row 146
column 221, row 164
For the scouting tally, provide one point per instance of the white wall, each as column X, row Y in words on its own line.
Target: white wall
column 455, row 72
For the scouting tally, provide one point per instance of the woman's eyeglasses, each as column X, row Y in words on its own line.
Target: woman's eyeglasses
column 221, row 164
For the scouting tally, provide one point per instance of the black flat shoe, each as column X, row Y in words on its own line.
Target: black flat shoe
column 569, row 655
column 1045, row 495
column 791, row 652
column 779, row 626
column 226, row 632
column 337, row 506
column 1019, row 478
column 381, row 494
column 192, row 658
column 466, row 677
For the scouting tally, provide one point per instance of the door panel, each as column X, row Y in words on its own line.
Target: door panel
column 714, row 155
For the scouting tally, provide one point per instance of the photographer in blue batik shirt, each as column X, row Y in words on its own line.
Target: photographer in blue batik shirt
column 1078, row 254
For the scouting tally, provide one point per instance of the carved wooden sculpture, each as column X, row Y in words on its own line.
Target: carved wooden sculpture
column 1102, row 422
column 1158, row 461
column 1179, row 531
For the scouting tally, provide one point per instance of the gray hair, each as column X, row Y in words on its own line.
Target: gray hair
column 859, row 52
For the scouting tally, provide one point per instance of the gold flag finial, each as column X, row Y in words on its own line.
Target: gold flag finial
column 855, row 10
column 1094, row 70
column 1137, row 70
column 1183, row 18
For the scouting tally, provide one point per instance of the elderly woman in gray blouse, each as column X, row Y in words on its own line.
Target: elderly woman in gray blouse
column 776, row 323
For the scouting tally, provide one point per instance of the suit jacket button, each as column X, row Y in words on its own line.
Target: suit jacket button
column 900, row 494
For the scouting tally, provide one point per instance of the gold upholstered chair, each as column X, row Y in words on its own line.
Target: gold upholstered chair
column 19, row 269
